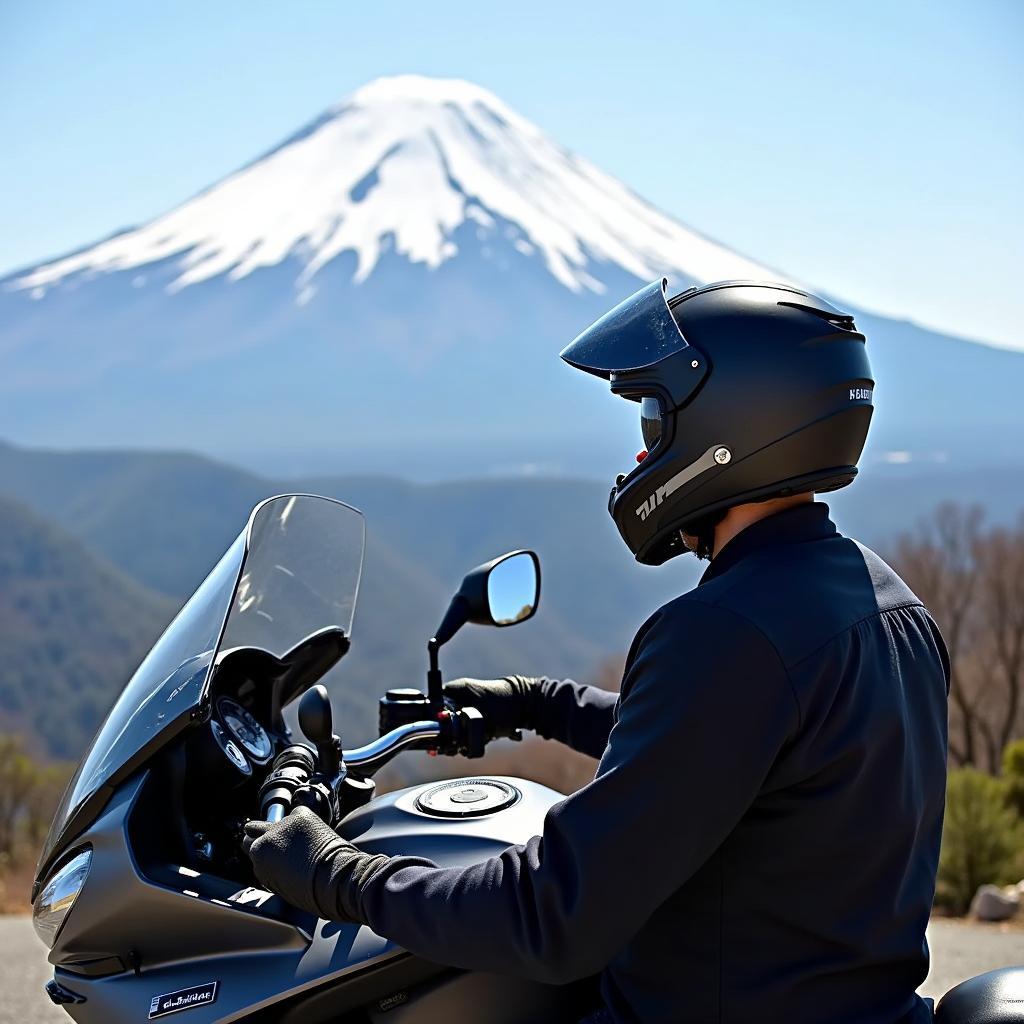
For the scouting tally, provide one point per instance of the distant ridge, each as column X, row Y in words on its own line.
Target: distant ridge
column 72, row 625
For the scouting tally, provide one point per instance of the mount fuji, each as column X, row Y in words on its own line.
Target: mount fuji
column 388, row 290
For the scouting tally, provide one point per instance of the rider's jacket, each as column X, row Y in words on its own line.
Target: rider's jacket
column 761, row 838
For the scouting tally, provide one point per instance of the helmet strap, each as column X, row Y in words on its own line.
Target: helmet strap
column 703, row 529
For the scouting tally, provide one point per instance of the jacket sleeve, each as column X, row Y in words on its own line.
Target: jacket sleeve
column 577, row 715
column 705, row 709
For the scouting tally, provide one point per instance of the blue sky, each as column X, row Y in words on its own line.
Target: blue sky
column 874, row 149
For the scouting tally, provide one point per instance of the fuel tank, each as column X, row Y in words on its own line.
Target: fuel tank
column 451, row 823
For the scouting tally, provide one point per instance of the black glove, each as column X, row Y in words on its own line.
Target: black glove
column 507, row 704
column 307, row 863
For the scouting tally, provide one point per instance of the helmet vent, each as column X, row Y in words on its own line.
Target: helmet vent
column 676, row 299
column 842, row 321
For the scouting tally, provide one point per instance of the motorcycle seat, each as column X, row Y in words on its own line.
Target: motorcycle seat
column 993, row 998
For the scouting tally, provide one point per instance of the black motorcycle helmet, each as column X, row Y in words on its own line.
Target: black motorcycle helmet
column 747, row 391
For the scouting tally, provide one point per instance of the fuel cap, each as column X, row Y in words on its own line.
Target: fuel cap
column 465, row 797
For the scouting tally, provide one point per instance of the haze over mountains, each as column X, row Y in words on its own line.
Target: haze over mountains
column 136, row 532
column 97, row 550
column 387, row 291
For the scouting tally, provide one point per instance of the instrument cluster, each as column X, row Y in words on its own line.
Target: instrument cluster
column 240, row 736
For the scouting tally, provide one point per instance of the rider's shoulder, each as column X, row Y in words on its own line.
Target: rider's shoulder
column 698, row 614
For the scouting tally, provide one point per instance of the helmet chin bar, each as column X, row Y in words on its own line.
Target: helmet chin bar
column 716, row 455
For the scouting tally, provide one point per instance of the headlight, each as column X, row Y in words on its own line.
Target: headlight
column 54, row 903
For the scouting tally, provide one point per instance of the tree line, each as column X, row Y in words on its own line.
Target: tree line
column 971, row 578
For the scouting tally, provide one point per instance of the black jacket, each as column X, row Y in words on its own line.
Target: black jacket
column 761, row 840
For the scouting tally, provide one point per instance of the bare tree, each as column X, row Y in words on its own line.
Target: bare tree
column 999, row 554
column 939, row 562
column 972, row 580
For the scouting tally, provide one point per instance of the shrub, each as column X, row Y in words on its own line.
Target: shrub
column 982, row 838
column 18, row 774
column 1013, row 775
column 29, row 793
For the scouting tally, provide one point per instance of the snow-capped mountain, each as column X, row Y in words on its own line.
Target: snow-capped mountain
column 393, row 284
column 400, row 166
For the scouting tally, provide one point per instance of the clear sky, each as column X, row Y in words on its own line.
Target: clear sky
column 874, row 149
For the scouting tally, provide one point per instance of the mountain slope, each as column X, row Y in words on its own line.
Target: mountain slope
column 174, row 515
column 409, row 159
column 163, row 519
column 72, row 629
column 387, row 291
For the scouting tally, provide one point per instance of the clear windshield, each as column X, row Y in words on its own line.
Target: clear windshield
column 301, row 574
column 294, row 570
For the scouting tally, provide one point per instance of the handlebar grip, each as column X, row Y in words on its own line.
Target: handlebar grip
column 469, row 732
column 292, row 768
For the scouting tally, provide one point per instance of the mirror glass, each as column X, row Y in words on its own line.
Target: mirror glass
column 512, row 589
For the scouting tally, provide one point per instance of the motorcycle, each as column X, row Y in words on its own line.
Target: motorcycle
column 143, row 893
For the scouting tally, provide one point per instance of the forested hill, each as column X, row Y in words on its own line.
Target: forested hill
column 71, row 628
column 102, row 546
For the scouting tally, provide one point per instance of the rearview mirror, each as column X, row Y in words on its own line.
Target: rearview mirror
column 513, row 588
column 501, row 592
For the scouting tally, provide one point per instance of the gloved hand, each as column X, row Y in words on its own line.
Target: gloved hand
column 507, row 704
column 307, row 863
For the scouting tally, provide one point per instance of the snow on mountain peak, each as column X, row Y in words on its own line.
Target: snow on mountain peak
column 424, row 89
column 400, row 165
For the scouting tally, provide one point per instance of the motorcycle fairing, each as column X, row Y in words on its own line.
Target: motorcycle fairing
column 171, row 910
column 292, row 572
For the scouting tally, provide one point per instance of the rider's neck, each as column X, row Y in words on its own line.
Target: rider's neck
column 738, row 518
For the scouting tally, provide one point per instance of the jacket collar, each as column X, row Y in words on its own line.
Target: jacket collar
column 790, row 526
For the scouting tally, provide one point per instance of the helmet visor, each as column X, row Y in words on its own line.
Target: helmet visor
column 650, row 422
column 638, row 332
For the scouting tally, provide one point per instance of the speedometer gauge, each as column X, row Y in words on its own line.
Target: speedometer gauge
column 244, row 727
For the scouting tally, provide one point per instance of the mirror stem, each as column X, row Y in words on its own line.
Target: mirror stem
column 454, row 619
column 435, row 691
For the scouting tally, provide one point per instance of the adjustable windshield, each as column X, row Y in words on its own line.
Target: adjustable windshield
column 293, row 571
column 301, row 574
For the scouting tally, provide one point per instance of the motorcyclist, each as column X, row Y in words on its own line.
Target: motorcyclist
column 761, row 838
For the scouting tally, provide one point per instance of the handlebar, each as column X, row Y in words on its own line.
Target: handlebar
column 375, row 754
column 293, row 778
column 294, row 768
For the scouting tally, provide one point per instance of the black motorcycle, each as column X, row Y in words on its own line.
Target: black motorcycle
column 143, row 893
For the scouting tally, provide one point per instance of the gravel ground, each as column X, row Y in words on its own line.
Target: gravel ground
column 959, row 950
